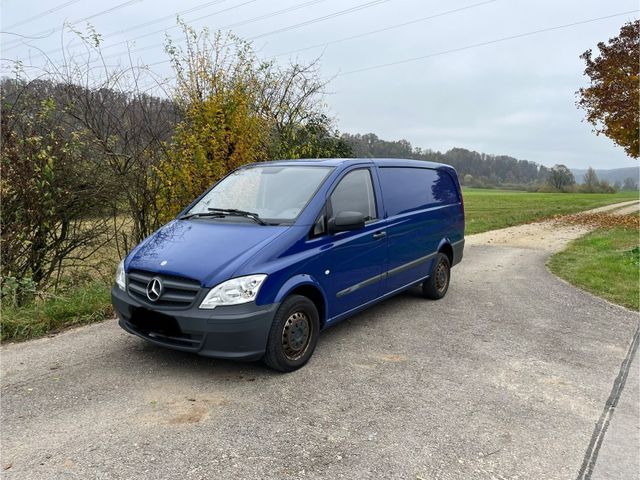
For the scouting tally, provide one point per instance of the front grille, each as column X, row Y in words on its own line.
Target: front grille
column 178, row 292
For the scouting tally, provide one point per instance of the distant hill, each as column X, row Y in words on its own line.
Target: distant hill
column 612, row 175
column 475, row 169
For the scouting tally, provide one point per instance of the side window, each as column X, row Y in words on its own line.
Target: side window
column 410, row 188
column 355, row 193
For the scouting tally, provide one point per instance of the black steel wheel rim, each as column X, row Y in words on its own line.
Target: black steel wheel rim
column 296, row 335
column 442, row 276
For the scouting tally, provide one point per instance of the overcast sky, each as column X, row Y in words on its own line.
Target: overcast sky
column 515, row 97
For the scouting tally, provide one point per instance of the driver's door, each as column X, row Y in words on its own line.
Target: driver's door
column 354, row 261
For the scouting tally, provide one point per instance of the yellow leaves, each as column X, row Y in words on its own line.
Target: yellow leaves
column 217, row 135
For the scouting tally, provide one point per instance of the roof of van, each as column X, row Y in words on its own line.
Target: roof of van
column 381, row 162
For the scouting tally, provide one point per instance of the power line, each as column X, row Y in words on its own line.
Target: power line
column 95, row 15
column 167, row 17
column 466, row 47
column 339, row 13
column 392, row 27
column 42, row 14
column 26, row 36
column 228, row 26
column 244, row 22
column 362, row 6
column 482, row 44
column 232, row 25
column 156, row 21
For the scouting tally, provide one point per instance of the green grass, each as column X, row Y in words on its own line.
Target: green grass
column 605, row 262
column 82, row 305
column 493, row 209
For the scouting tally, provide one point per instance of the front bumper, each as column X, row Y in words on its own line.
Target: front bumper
column 235, row 332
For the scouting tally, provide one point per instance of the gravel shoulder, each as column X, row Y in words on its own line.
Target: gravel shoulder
column 504, row 378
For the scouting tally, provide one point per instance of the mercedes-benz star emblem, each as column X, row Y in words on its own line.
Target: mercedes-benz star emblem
column 154, row 289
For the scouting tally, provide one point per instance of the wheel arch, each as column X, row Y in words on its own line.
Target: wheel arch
column 306, row 286
column 446, row 248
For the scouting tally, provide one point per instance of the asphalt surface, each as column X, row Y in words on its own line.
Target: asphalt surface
column 506, row 377
column 619, row 455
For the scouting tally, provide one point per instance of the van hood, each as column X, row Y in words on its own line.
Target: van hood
column 201, row 249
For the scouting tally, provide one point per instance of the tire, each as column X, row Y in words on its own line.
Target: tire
column 435, row 287
column 293, row 335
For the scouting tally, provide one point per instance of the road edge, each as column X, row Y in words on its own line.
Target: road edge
column 597, row 438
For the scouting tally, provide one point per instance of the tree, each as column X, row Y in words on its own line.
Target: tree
column 590, row 182
column 560, row 177
column 217, row 135
column 316, row 138
column 221, row 128
column 630, row 184
column 612, row 100
column 237, row 109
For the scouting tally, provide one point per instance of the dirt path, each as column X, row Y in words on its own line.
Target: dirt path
column 628, row 210
column 549, row 235
column 615, row 207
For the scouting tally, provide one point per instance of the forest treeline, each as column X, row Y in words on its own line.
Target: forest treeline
column 490, row 171
column 475, row 169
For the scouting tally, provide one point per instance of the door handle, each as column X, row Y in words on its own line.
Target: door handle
column 381, row 234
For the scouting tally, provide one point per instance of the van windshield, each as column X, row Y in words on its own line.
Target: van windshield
column 277, row 194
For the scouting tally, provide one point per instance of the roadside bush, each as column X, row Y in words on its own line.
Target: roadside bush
column 55, row 199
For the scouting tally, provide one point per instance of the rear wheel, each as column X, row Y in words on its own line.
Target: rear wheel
column 435, row 287
column 293, row 335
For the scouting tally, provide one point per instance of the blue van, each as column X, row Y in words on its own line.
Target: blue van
column 275, row 252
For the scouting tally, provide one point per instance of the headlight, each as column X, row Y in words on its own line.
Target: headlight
column 234, row 291
column 121, row 279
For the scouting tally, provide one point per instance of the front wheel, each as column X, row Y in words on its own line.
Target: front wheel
column 293, row 335
column 435, row 287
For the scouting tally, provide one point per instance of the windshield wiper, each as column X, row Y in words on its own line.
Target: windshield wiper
column 201, row 214
column 239, row 213
column 224, row 212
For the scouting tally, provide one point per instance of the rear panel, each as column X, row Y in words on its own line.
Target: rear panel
column 424, row 209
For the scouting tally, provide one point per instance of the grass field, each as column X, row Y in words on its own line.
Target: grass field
column 605, row 262
column 493, row 209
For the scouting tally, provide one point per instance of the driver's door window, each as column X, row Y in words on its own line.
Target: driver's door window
column 355, row 193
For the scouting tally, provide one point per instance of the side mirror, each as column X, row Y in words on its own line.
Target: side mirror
column 345, row 221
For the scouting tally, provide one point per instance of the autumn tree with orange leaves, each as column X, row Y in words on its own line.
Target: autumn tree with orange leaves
column 612, row 100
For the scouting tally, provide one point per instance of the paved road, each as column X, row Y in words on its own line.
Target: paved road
column 504, row 378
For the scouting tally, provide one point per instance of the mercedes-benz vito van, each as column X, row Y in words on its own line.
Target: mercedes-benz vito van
column 275, row 252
